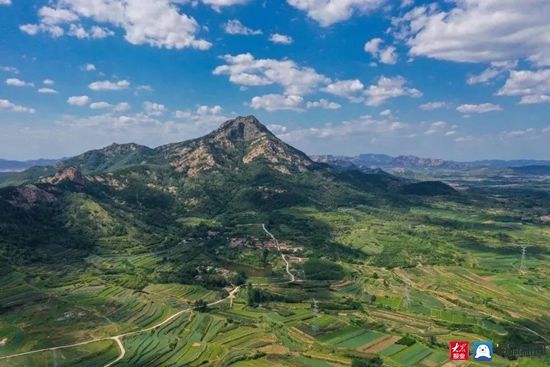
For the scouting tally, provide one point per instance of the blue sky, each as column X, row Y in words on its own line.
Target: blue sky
column 444, row 79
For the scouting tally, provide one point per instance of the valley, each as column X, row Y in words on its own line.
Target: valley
column 235, row 249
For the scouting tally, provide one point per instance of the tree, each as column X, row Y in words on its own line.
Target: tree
column 200, row 305
column 367, row 362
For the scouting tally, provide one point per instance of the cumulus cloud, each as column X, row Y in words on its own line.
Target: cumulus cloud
column 48, row 82
column 14, row 82
column 277, row 102
column 6, row 105
column 281, row 39
column 119, row 107
column 328, row 12
column 9, row 69
column 496, row 69
column 535, row 99
column 345, row 88
column 532, row 86
column 47, row 91
column 5, row 2
column 385, row 55
column 387, row 88
column 218, row 4
column 106, row 85
column 365, row 125
column 156, row 23
column 89, row 67
column 430, row 106
column 94, row 32
column 79, row 100
column 437, row 127
column 209, row 114
column 235, row 27
column 324, row 104
column 246, row 70
column 100, row 105
column 479, row 31
column 478, row 108
column 154, row 109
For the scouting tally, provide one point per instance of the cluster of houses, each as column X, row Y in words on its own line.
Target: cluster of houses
column 235, row 243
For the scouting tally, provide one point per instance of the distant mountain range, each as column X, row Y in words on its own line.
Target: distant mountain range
column 411, row 162
column 18, row 166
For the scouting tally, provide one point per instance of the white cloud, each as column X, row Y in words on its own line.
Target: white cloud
column 154, row 109
column 207, row 110
column 245, row 70
column 496, row 69
column 120, row 107
column 208, row 114
column 48, row 82
column 89, row 67
column 532, row 86
column 94, row 32
column 79, row 100
column 6, row 105
column 386, row 113
column 328, row 12
column 281, row 39
column 47, row 91
column 277, row 129
column 9, row 69
column 479, row 31
column 365, row 125
column 514, row 134
column 235, row 27
column 277, row 102
column 430, row 106
column 345, row 88
column 387, row 88
column 156, row 23
column 324, row 104
column 478, row 108
column 437, row 127
column 384, row 55
column 5, row 2
column 106, row 85
column 14, row 82
column 145, row 88
column 100, row 105
column 30, row 29
column 218, row 4
column 536, row 99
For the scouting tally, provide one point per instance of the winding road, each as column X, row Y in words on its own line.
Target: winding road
column 118, row 338
column 292, row 277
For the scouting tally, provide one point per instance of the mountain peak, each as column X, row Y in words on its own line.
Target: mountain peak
column 243, row 128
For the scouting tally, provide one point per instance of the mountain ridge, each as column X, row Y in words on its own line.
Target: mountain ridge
column 414, row 162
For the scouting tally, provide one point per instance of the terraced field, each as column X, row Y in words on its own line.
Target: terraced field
column 405, row 315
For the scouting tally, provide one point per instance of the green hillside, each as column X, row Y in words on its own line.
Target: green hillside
column 236, row 249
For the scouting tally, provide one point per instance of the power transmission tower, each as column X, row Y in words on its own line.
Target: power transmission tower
column 407, row 295
column 315, row 325
column 522, row 267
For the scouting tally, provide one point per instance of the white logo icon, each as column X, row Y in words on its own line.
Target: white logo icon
column 483, row 351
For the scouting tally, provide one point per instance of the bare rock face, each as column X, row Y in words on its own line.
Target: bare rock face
column 30, row 195
column 69, row 174
column 241, row 140
column 244, row 128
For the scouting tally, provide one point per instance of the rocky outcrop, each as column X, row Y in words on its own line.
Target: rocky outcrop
column 28, row 196
column 69, row 174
